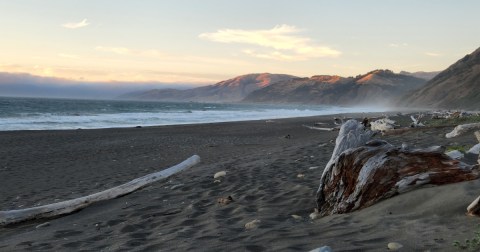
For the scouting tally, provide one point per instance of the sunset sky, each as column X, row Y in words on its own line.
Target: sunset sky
column 206, row 41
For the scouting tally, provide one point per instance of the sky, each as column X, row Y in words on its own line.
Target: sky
column 206, row 41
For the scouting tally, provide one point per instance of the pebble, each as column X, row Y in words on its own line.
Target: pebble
column 301, row 175
column 315, row 215
column 252, row 224
column 297, row 217
column 394, row 246
column 220, row 174
column 225, row 200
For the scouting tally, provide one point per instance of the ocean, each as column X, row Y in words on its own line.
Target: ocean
column 60, row 114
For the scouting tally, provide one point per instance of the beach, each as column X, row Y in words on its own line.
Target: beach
column 273, row 168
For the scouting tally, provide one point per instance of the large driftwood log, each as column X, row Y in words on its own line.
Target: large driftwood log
column 461, row 129
column 363, row 174
column 69, row 206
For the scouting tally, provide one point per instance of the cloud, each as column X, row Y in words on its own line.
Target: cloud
column 129, row 52
column 396, row 45
column 80, row 24
column 283, row 39
column 432, row 54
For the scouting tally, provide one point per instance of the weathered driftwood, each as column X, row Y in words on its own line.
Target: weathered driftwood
column 416, row 121
column 477, row 135
column 361, row 173
column 474, row 208
column 69, row 206
column 461, row 129
column 320, row 128
column 475, row 149
column 352, row 134
column 383, row 124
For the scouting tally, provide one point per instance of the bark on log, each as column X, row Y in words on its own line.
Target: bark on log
column 363, row 174
column 461, row 129
column 69, row 206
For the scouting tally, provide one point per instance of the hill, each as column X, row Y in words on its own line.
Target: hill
column 457, row 87
column 375, row 87
column 232, row 90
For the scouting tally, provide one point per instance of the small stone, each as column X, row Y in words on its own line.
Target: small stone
column 225, row 201
column 301, row 175
column 315, row 215
column 252, row 224
column 297, row 217
column 46, row 224
column 394, row 246
column 220, row 174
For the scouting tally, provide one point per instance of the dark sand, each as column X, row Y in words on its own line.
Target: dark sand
column 42, row 167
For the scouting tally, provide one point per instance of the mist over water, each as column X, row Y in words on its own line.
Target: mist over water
column 52, row 114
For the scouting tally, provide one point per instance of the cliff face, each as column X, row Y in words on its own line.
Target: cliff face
column 232, row 90
column 457, row 87
column 375, row 87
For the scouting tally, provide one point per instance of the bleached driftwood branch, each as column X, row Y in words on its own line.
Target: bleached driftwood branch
column 416, row 121
column 474, row 208
column 461, row 129
column 69, row 206
column 362, row 173
column 319, row 128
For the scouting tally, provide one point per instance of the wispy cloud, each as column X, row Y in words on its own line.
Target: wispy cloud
column 433, row 54
column 396, row 45
column 283, row 39
column 77, row 25
column 129, row 52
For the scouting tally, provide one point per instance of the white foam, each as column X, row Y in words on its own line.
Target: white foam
column 48, row 121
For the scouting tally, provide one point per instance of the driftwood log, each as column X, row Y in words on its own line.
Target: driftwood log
column 362, row 172
column 383, row 124
column 69, row 206
column 461, row 129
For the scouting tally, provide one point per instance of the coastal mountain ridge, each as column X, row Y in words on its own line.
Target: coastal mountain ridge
column 457, row 87
column 232, row 90
column 375, row 87
column 378, row 86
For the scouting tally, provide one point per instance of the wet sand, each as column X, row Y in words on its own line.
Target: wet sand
column 262, row 159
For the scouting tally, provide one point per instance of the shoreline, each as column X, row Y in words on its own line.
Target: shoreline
column 182, row 213
column 349, row 114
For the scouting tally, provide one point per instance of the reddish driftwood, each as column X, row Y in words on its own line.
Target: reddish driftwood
column 365, row 174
